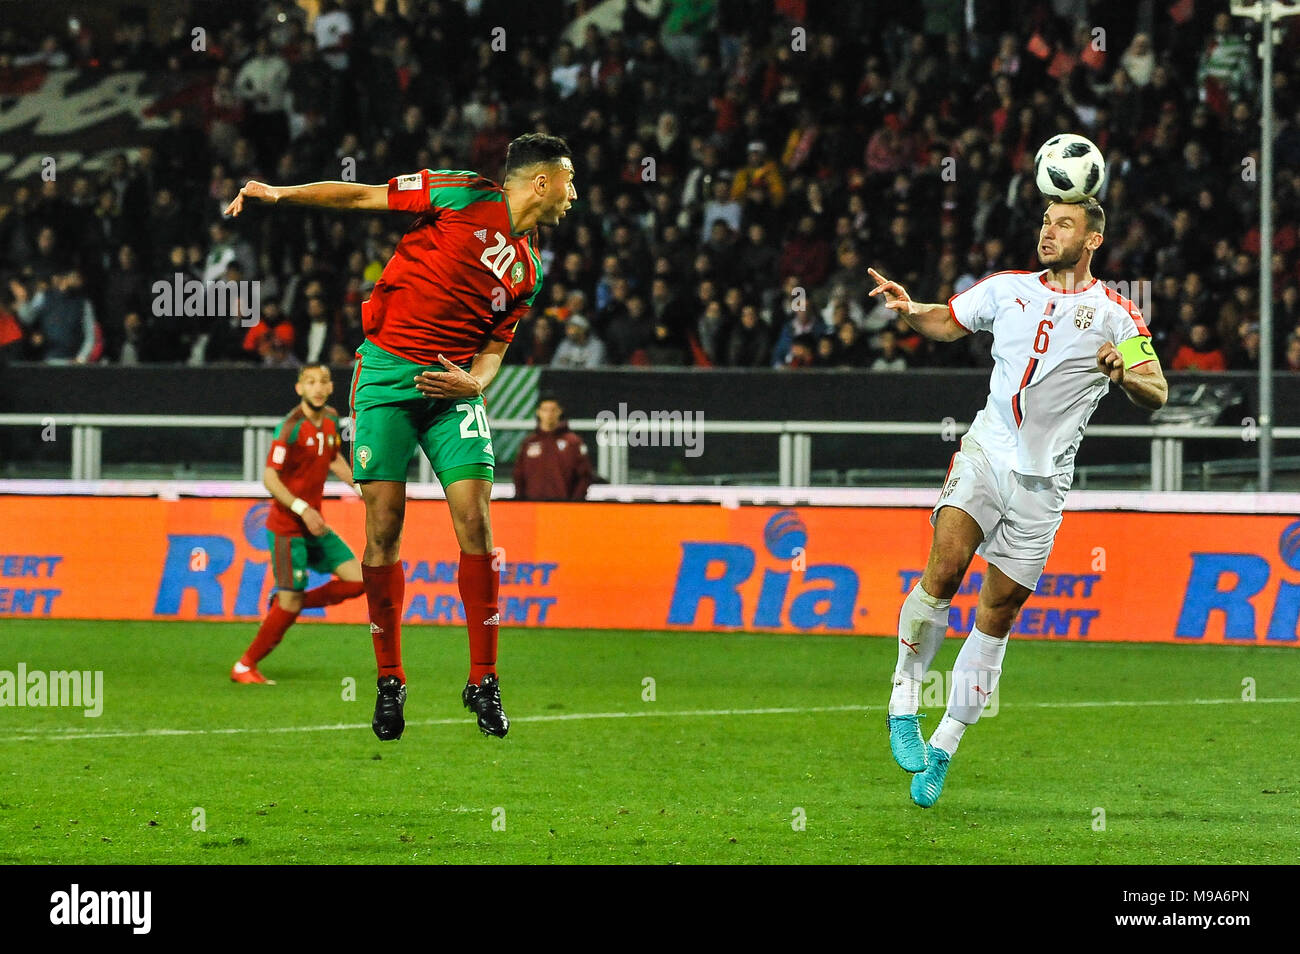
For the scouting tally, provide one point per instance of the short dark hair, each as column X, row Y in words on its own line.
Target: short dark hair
column 1093, row 213
column 532, row 148
column 313, row 366
column 549, row 396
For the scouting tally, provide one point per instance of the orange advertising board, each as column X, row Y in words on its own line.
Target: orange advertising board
column 1141, row 577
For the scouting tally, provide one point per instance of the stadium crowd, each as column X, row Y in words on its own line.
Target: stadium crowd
column 740, row 164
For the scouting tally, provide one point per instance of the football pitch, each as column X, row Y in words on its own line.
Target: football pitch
column 638, row 748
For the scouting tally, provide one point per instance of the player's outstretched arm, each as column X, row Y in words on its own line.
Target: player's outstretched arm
column 933, row 321
column 325, row 195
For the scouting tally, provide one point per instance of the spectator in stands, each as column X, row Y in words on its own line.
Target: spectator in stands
column 891, row 357
column 802, row 353
column 225, row 248
column 666, row 348
column 262, row 83
column 851, row 347
column 60, row 320
column 127, row 292
column 274, row 324
column 806, row 256
column 684, row 25
column 46, row 257
column 140, row 342
column 861, row 157
column 756, row 260
column 628, row 332
column 1226, row 71
column 749, row 343
column 537, row 343
column 1199, row 353
column 1244, row 355
column 334, row 29
column 552, row 463
column 320, row 328
column 760, row 172
column 11, row 332
column 803, row 322
column 1291, row 356
column 848, row 283
column 1139, row 61
column 711, row 332
column 580, row 348
column 723, row 206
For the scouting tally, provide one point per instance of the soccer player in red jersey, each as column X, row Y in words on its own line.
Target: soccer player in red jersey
column 437, row 324
column 305, row 448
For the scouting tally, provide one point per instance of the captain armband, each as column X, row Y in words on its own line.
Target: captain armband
column 1136, row 351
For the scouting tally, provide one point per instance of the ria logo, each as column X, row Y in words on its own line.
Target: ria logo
column 716, row 573
column 199, row 562
column 1237, row 585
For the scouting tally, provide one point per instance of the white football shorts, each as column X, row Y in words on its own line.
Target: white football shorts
column 1019, row 515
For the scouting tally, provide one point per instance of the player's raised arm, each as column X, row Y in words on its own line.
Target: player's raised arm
column 327, row 195
column 933, row 321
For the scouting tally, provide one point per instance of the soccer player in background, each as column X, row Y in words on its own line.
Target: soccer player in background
column 437, row 324
column 304, row 449
column 1060, row 339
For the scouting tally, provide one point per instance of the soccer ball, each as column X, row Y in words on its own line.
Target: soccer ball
column 1069, row 168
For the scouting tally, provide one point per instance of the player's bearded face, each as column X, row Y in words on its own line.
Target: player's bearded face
column 1055, row 252
column 560, row 194
column 315, row 390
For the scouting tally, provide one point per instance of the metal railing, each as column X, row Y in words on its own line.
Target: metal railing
column 612, row 440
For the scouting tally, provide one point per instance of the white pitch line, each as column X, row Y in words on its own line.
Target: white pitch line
column 66, row 734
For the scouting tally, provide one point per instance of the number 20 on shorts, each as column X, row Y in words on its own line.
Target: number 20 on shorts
column 474, row 423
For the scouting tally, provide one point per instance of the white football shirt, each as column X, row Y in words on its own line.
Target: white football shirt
column 1045, row 382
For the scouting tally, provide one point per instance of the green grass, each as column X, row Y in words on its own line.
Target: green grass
column 1179, row 783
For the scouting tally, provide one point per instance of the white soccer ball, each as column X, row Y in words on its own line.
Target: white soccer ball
column 1069, row 168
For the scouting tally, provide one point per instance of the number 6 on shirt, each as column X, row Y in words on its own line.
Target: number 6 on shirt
column 1041, row 341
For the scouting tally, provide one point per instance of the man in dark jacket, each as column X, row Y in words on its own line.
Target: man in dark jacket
column 60, row 320
column 552, row 463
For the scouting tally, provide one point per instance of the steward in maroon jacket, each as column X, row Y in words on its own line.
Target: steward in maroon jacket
column 552, row 463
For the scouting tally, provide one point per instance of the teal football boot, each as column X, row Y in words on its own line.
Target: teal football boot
column 906, row 743
column 928, row 785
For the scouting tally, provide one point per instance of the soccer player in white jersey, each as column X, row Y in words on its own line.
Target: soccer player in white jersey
column 1060, row 339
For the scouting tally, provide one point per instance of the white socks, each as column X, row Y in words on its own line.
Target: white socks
column 975, row 677
column 948, row 734
column 922, row 624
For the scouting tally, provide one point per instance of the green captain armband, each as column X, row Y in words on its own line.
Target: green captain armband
column 1137, row 351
